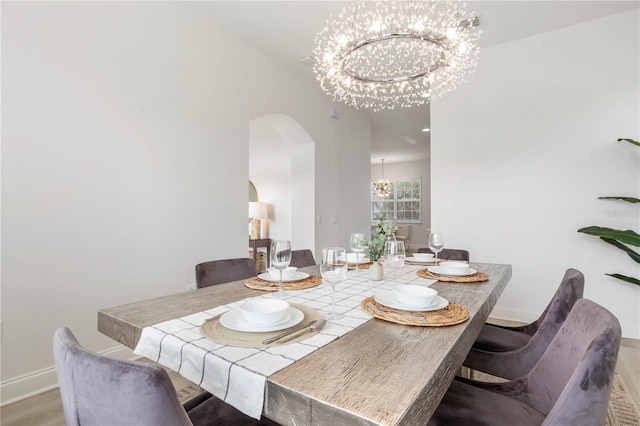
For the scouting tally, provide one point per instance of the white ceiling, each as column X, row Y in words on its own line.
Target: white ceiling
column 285, row 30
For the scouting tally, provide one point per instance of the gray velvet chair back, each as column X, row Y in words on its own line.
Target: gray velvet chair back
column 302, row 258
column 97, row 390
column 518, row 362
column 449, row 254
column 224, row 271
column 571, row 383
column 571, row 289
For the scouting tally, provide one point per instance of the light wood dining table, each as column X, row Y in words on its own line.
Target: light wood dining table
column 381, row 373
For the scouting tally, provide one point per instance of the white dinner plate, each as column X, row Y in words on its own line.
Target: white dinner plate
column 388, row 298
column 296, row 277
column 440, row 271
column 235, row 321
column 420, row 262
column 351, row 259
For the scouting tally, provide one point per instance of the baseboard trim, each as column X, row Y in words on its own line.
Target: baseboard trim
column 44, row 380
column 510, row 314
column 629, row 329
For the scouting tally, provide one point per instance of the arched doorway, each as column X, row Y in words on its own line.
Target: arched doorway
column 282, row 167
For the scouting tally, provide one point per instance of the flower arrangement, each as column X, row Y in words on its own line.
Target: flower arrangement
column 379, row 234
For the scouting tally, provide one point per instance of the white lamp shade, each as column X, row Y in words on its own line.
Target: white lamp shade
column 258, row 210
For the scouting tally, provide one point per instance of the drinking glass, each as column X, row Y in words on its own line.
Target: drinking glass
column 394, row 255
column 436, row 243
column 358, row 245
column 280, row 259
column 334, row 270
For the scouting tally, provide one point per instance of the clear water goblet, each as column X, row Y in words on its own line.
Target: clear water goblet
column 394, row 255
column 280, row 259
column 334, row 270
column 436, row 244
column 357, row 245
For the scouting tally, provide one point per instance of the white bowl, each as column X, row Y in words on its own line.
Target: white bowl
column 423, row 257
column 263, row 311
column 454, row 267
column 287, row 273
column 414, row 295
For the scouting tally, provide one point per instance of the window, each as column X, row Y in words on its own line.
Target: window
column 403, row 205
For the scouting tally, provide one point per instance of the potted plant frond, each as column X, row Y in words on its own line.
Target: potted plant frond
column 375, row 247
column 619, row 238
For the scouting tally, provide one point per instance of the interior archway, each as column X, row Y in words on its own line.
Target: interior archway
column 282, row 167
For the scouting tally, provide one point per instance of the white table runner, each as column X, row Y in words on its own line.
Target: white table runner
column 238, row 375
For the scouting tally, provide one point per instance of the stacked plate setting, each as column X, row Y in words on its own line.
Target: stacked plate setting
column 452, row 268
column 261, row 315
column 408, row 297
column 289, row 274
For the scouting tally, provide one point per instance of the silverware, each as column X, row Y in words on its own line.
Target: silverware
column 393, row 311
column 289, row 331
column 313, row 327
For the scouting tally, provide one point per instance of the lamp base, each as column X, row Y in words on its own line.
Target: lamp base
column 255, row 229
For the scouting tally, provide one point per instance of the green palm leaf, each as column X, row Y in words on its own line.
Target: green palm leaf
column 627, row 199
column 627, row 237
column 630, row 141
column 632, row 254
column 625, row 278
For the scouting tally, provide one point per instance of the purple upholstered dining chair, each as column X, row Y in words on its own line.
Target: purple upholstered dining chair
column 449, row 254
column 224, row 271
column 569, row 385
column 302, row 258
column 511, row 352
column 98, row 390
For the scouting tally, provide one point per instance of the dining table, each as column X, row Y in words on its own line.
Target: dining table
column 360, row 370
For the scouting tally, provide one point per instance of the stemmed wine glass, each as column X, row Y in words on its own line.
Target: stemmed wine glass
column 334, row 270
column 394, row 255
column 280, row 259
column 357, row 245
column 436, row 243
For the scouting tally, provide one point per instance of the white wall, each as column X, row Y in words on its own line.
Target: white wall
column 282, row 167
column 520, row 154
column 419, row 231
column 125, row 161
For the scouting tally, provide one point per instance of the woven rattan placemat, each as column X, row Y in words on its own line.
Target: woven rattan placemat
column 451, row 315
column 260, row 284
column 217, row 332
column 477, row 277
column 353, row 267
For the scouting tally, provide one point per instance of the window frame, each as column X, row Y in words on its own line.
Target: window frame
column 395, row 200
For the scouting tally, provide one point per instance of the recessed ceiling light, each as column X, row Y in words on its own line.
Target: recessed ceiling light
column 426, row 129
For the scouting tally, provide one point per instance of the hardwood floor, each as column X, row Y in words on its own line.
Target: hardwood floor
column 46, row 409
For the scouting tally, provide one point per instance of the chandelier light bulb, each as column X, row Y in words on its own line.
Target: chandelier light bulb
column 387, row 53
column 382, row 188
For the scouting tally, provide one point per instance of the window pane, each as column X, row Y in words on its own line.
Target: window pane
column 402, row 205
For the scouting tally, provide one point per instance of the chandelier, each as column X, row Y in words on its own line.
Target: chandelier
column 387, row 53
column 382, row 188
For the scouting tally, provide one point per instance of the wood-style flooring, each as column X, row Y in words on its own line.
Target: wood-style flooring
column 46, row 409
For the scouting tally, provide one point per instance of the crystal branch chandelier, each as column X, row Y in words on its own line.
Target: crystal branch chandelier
column 382, row 188
column 387, row 53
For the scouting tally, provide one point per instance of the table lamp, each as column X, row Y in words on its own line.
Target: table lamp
column 257, row 211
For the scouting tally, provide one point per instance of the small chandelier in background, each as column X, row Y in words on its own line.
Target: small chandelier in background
column 382, row 188
column 382, row 54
